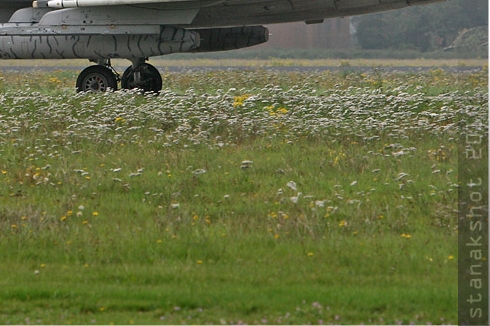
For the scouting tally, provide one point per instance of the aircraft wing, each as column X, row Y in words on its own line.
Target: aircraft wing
column 205, row 13
column 214, row 13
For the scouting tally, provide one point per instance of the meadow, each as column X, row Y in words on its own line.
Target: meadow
column 245, row 196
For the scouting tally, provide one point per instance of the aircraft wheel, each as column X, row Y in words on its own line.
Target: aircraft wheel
column 150, row 79
column 96, row 79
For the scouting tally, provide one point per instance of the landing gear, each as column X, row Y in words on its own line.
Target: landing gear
column 96, row 79
column 144, row 77
column 102, row 77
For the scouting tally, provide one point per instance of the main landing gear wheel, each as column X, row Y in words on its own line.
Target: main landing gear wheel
column 144, row 77
column 96, row 79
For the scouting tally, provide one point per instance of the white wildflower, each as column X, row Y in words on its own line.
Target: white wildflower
column 292, row 185
column 401, row 175
column 246, row 164
column 400, row 153
column 198, row 171
column 320, row 203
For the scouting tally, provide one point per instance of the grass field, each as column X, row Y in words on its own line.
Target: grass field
column 233, row 197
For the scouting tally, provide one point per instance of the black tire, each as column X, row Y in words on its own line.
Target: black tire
column 96, row 79
column 151, row 80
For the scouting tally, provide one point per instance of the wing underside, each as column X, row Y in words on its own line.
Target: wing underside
column 214, row 13
column 281, row 11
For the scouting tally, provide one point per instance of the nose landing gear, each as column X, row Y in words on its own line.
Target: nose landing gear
column 102, row 78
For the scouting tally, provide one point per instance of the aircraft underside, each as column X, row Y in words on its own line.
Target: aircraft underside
column 101, row 30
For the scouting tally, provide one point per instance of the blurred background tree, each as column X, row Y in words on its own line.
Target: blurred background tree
column 422, row 28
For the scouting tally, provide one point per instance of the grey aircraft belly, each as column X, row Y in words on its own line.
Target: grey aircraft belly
column 101, row 30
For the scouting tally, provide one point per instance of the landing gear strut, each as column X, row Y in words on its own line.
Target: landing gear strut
column 143, row 76
column 102, row 77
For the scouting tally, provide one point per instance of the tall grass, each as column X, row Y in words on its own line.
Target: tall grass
column 233, row 197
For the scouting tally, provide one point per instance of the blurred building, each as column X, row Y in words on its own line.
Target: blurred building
column 331, row 34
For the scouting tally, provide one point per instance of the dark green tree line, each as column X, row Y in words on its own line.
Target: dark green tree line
column 422, row 28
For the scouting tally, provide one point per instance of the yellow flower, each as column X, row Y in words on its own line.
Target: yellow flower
column 273, row 214
column 54, row 80
column 95, row 213
column 310, row 254
column 450, row 257
column 342, row 223
column 282, row 111
column 239, row 100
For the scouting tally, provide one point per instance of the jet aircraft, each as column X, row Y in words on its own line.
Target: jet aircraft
column 101, row 30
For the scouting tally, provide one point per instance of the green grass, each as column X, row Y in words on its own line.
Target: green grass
column 122, row 208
